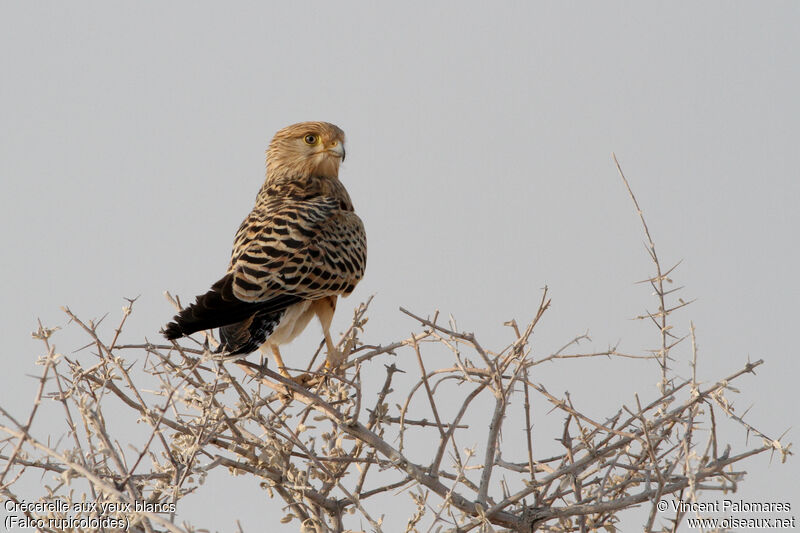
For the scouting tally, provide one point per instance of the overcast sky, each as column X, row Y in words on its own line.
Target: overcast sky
column 479, row 157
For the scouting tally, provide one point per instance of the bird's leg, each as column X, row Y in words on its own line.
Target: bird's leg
column 304, row 379
column 279, row 360
column 334, row 358
column 324, row 309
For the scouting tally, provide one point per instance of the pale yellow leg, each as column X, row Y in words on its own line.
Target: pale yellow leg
column 324, row 309
column 279, row 360
column 334, row 358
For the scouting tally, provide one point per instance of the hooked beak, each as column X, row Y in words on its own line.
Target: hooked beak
column 337, row 149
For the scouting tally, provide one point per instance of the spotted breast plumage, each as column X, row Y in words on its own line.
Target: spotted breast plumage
column 300, row 248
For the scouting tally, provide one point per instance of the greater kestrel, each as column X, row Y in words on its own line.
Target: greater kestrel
column 299, row 249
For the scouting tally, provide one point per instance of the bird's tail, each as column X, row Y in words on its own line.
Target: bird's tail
column 220, row 307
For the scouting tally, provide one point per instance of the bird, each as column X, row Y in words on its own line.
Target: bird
column 300, row 248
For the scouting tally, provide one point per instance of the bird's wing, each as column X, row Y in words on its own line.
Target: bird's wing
column 303, row 248
column 284, row 252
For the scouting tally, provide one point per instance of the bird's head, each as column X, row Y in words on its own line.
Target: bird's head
column 304, row 149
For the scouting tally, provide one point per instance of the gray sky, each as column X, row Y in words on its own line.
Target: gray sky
column 479, row 158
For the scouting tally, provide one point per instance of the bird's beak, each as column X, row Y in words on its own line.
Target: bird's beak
column 337, row 149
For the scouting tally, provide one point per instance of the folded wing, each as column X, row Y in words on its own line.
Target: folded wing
column 289, row 251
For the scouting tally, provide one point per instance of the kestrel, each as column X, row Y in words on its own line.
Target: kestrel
column 299, row 249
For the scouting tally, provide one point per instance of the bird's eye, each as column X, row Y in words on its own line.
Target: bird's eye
column 310, row 139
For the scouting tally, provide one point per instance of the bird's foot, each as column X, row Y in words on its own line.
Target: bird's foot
column 306, row 379
column 335, row 359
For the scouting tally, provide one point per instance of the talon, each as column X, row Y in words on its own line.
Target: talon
column 306, row 380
